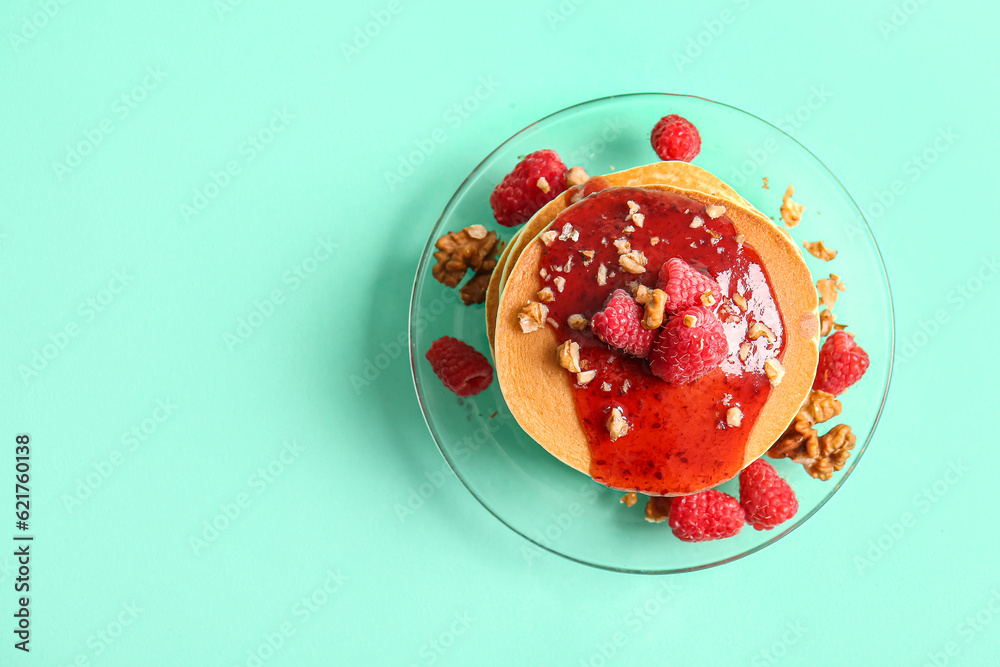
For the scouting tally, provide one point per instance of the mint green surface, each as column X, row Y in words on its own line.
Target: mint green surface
column 206, row 314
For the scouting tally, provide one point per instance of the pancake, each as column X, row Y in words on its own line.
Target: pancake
column 694, row 451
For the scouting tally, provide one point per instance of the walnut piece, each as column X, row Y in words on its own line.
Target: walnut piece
column 559, row 282
column 828, row 289
column 791, row 212
column 758, row 329
column 532, row 317
column 474, row 291
column 774, row 371
column 568, row 355
column 745, row 348
column 457, row 252
column 629, row 499
column 602, row 275
column 715, row 211
column 549, row 237
column 740, row 300
column 633, row 261
column 826, row 321
column 585, row 377
column 545, row 295
column 577, row 322
column 543, row 185
column 616, row 424
column 576, row 176
column 766, row 186
column 819, row 250
column 623, row 245
column 734, row 417
column 657, row 509
column 654, row 305
column 820, row 456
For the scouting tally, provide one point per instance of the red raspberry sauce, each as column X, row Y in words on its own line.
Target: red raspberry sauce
column 678, row 441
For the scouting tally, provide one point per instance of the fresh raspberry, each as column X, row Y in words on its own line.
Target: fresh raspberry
column 842, row 362
column 619, row 325
column 709, row 515
column 461, row 367
column 766, row 499
column 520, row 193
column 675, row 138
column 685, row 286
column 684, row 352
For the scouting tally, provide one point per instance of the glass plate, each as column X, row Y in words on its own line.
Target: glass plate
column 553, row 506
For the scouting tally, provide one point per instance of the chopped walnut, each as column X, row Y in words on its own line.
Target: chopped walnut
column 628, row 230
column 585, row 377
column 605, row 386
column 545, row 295
column 715, row 211
column 623, row 245
column 690, row 321
column 474, row 291
column 576, row 176
column 766, row 186
column 653, row 314
column 640, row 292
column 734, row 417
column 707, row 299
column 774, row 371
column 559, row 282
column 791, row 212
column 745, row 351
column 532, row 317
column 587, row 254
column 633, row 262
column 457, row 252
column 577, row 322
column 820, row 456
column 602, row 275
column 568, row 355
column 828, row 288
column 629, row 499
column 616, row 424
column 566, row 232
column 740, row 300
column 543, row 185
column 826, row 321
column 740, row 238
column 819, row 250
column 549, row 237
column 654, row 240
column 696, row 223
column 633, row 208
column 757, row 330
column 657, row 509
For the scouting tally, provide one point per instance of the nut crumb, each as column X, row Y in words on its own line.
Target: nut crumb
column 734, row 417
column 576, row 176
column 568, row 355
column 555, row 325
column 549, row 237
column 640, row 293
column 577, row 322
column 745, row 348
column 585, row 377
column 696, row 223
column 715, row 211
column 757, row 329
column 633, row 208
column 740, row 301
column 657, row 509
column 602, row 275
column 625, row 387
column 605, row 386
column 588, row 254
column 566, row 232
column 543, row 185
column 638, row 219
column 707, row 299
column 654, row 240
column 766, row 186
column 623, row 245
column 828, row 289
column 654, row 305
column 791, row 212
column 819, row 250
column 629, row 229
column 545, row 295
column 616, row 424
column 827, row 320
column 629, row 499
column 569, row 264
column 559, row 282
column 774, row 371
column 633, row 262
column 740, row 238
column 533, row 316
column 477, row 232
column 690, row 321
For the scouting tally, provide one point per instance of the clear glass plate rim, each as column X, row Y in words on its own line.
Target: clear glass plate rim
column 437, row 436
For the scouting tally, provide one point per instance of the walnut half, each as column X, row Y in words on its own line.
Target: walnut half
column 457, row 252
column 820, row 456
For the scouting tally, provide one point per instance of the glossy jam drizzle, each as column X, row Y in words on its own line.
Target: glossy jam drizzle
column 678, row 440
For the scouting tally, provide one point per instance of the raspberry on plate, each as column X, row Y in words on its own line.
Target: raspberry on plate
column 709, row 515
column 675, row 138
column 462, row 368
column 842, row 362
column 766, row 499
column 686, row 287
column 536, row 180
column 690, row 345
column 620, row 325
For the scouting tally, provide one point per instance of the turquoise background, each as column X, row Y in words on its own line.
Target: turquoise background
column 203, row 284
